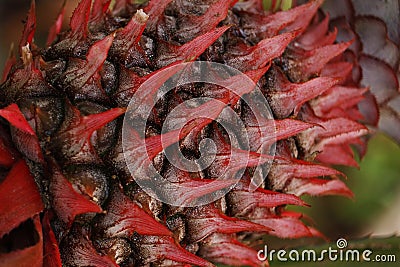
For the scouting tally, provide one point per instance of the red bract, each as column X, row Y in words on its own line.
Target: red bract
column 20, row 198
column 51, row 253
column 125, row 217
column 56, row 28
column 30, row 256
column 79, row 20
column 66, row 201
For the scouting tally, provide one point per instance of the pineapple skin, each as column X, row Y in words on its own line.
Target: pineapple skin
column 64, row 110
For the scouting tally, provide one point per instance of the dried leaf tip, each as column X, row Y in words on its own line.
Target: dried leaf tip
column 26, row 55
column 141, row 17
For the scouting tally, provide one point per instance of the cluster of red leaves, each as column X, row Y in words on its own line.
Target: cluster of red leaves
column 325, row 114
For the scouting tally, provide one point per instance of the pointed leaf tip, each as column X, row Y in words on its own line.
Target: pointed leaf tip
column 165, row 247
column 29, row 256
column 56, row 28
column 51, row 257
column 80, row 19
column 100, row 8
column 98, row 53
column 14, row 116
column 319, row 187
column 19, row 198
column 321, row 56
column 67, row 202
column 124, row 217
column 29, row 28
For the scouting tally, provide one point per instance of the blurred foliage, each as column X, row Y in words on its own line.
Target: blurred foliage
column 277, row 4
column 375, row 185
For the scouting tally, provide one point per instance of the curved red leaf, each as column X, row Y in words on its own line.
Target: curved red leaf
column 15, row 117
column 29, row 28
column 56, row 28
column 51, row 253
column 80, row 19
column 19, row 198
column 28, row 257
column 66, row 201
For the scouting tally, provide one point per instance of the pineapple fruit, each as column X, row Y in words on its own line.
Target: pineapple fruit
column 74, row 167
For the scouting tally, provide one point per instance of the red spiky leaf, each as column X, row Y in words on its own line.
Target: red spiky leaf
column 80, row 19
column 124, row 217
column 314, row 62
column 75, row 136
column 51, row 253
column 340, row 70
column 317, row 37
column 199, row 117
column 164, row 247
column 269, row 131
column 319, row 187
column 227, row 250
column 128, row 38
column 285, row 227
column 99, row 10
column 78, row 250
column 15, row 117
column 67, row 202
column 131, row 82
column 271, row 25
column 207, row 220
column 183, row 189
column 190, row 51
column 56, row 28
column 155, row 9
column 28, row 145
column 243, row 201
column 31, row 256
column 19, row 198
column 338, row 155
column 23, row 134
column 229, row 160
column 95, row 58
column 338, row 97
column 334, row 131
column 187, row 192
column 289, row 97
column 258, row 56
column 314, row 33
column 239, row 85
column 286, row 169
column 29, row 28
column 193, row 26
column 7, row 153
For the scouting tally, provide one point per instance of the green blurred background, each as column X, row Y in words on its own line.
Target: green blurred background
column 376, row 185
